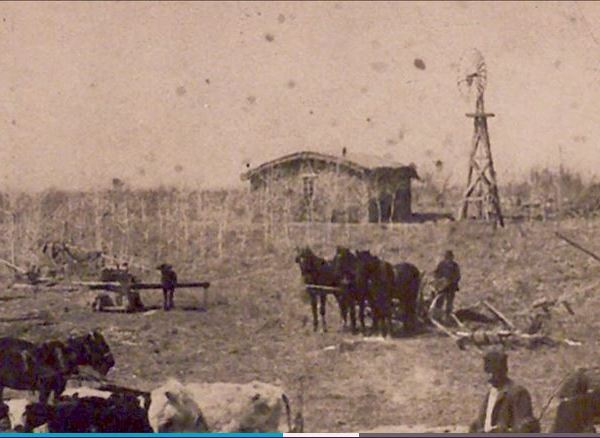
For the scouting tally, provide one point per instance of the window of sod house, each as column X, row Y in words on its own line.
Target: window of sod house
column 308, row 185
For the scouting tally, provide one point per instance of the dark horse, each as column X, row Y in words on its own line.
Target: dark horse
column 386, row 283
column 46, row 367
column 354, row 282
column 318, row 271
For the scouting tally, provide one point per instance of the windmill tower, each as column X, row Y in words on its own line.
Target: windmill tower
column 480, row 200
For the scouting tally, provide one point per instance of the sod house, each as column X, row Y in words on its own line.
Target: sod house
column 312, row 186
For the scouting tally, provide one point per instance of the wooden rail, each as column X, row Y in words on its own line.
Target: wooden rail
column 115, row 286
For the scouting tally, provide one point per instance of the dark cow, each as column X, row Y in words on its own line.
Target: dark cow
column 354, row 281
column 27, row 366
column 45, row 367
column 318, row 271
column 168, row 281
column 386, row 283
column 120, row 413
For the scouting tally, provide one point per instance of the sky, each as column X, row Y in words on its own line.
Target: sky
column 185, row 94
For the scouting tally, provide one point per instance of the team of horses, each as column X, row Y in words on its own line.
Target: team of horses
column 361, row 279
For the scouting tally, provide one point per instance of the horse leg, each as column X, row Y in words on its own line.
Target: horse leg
column 343, row 307
column 44, row 394
column 313, row 305
column 361, row 314
column 344, row 311
column 353, row 315
column 323, row 302
column 58, row 387
column 171, row 298
column 165, row 300
column 410, row 319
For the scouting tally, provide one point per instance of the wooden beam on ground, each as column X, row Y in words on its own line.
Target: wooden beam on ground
column 578, row 246
column 441, row 327
column 13, row 266
column 499, row 314
column 326, row 288
column 458, row 321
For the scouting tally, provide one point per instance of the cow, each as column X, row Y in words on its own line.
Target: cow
column 318, row 271
column 168, row 281
column 119, row 413
column 17, row 407
column 174, row 410
column 386, row 283
column 221, row 407
column 46, row 367
column 354, row 282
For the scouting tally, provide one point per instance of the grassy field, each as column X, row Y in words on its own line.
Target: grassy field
column 256, row 325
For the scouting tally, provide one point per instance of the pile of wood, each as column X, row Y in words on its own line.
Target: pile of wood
column 508, row 335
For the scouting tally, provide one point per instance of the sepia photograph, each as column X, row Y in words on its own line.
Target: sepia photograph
column 345, row 217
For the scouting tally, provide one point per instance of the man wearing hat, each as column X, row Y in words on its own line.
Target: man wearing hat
column 447, row 277
column 506, row 407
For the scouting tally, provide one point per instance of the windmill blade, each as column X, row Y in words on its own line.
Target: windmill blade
column 472, row 73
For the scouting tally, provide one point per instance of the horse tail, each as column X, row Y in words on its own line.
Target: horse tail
column 288, row 411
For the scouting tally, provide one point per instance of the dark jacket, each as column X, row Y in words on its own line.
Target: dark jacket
column 575, row 415
column 448, row 270
column 513, row 411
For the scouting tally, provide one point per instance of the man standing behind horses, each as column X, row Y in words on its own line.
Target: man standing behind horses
column 506, row 407
column 447, row 277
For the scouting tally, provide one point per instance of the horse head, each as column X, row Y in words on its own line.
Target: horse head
column 344, row 264
column 367, row 265
column 304, row 256
column 93, row 350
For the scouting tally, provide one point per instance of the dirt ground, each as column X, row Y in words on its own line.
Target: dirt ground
column 257, row 326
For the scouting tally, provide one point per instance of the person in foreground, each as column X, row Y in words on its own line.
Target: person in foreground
column 577, row 405
column 506, row 407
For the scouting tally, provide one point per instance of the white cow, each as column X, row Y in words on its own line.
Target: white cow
column 219, row 407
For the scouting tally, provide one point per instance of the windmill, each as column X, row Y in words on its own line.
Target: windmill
column 480, row 200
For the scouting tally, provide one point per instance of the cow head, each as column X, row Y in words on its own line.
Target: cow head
column 164, row 267
column 33, row 416
column 173, row 410
column 93, row 350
